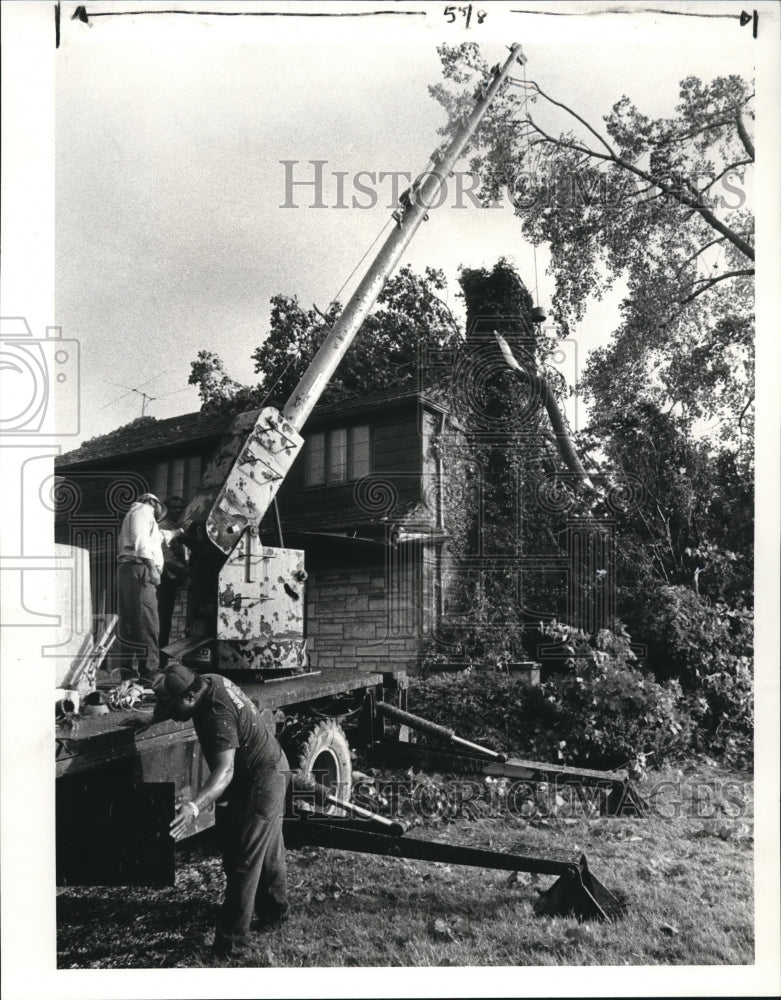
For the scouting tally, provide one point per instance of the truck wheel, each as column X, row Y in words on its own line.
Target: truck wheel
column 320, row 750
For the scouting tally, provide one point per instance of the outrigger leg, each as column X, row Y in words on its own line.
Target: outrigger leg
column 620, row 797
column 575, row 892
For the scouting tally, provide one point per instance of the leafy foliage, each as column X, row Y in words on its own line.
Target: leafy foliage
column 603, row 710
column 118, row 432
column 409, row 318
column 709, row 647
column 692, row 523
column 218, row 391
column 660, row 204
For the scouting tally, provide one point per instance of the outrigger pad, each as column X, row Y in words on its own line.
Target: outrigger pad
column 581, row 894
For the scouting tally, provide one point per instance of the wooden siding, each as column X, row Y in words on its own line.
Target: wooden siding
column 392, row 487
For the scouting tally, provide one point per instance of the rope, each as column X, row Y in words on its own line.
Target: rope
column 276, row 382
column 349, row 277
column 281, row 375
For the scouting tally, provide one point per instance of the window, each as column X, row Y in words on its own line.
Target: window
column 178, row 477
column 337, row 456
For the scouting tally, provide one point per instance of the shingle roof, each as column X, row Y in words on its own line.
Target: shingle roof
column 146, row 435
column 150, row 434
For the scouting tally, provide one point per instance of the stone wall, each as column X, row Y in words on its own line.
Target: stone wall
column 363, row 617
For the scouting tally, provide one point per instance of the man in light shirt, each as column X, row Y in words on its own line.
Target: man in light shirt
column 140, row 564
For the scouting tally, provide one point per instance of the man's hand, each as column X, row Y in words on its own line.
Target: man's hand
column 185, row 817
column 154, row 573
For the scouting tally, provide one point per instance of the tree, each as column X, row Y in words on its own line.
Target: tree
column 409, row 318
column 218, row 391
column 654, row 203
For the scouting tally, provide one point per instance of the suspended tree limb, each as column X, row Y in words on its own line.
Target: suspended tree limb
column 540, row 387
column 748, row 145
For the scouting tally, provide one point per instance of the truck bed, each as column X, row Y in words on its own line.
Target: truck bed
column 96, row 740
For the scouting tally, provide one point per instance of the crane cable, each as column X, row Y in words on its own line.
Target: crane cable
column 281, row 375
column 528, row 158
column 368, row 251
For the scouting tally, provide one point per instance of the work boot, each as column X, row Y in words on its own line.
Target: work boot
column 271, row 917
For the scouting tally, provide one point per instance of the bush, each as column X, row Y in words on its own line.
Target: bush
column 709, row 648
column 723, row 711
column 603, row 711
column 688, row 636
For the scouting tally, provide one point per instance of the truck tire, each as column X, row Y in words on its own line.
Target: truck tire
column 320, row 750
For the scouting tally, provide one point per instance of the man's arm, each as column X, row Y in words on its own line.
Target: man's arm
column 171, row 534
column 144, row 719
column 217, row 782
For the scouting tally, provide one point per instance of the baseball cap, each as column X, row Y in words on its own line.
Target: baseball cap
column 160, row 509
column 175, row 681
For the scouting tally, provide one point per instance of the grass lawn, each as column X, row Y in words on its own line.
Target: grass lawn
column 687, row 882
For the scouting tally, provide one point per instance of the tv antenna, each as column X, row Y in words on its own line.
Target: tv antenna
column 144, row 397
column 137, row 389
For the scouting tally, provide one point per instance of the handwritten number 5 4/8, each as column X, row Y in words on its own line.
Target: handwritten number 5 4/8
column 451, row 14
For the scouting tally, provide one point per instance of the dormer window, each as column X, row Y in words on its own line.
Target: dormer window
column 338, row 455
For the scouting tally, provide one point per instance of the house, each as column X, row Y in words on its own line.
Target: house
column 362, row 500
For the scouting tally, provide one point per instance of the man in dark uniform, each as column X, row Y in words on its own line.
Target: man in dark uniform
column 246, row 761
column 174, row 574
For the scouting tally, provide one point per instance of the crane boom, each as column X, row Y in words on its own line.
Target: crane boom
column 252, row 461
column 414, row 210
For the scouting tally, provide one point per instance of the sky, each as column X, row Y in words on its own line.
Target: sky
column 170, row 230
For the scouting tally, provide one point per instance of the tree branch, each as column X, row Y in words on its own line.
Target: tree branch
column 321, row 314
column 748, row 145
column 719, row 239
column 540, row 386
column 574, row 114
column 566, row 144
column 689, row 199
column 726, row 170
column 710, row 282
column 685, row 136
column 744, row 411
